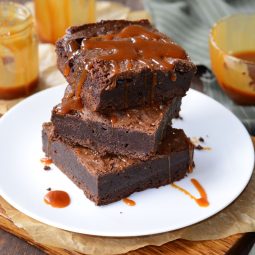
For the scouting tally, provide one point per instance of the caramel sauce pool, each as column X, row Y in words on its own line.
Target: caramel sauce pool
column 129, row 202
column 203, row 200
column 245, row 55
column 20, row 91
column 57, row 199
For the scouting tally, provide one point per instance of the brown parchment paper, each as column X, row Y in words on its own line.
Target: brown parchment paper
column 239, row 217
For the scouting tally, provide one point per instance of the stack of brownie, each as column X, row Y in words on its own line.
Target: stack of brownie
column 111, row 134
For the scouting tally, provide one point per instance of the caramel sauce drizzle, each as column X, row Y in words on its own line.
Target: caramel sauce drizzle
column 67, row 70
column 203, row 200
column 57, row 199
column 72, row 98
column 69, row 104
column 72, row 47
column 136, row 43
column 129, row 202
column 80, row 83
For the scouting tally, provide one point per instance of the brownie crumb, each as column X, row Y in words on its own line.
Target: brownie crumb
column 179, row 117
column 201, row 139
column 199, row 147
column 49, row 189
column 46, row 168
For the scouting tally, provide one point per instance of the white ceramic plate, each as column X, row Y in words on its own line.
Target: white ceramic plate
column 224, row 172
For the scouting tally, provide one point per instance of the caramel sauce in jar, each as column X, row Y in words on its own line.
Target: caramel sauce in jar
column 246, row 55
column 53, row 17
column 232, row 53
column 18, row 51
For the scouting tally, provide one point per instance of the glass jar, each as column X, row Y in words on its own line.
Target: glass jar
column 18, row 51
column 230, row 37
column 53, row 17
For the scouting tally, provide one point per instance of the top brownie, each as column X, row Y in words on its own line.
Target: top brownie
column 120, row 64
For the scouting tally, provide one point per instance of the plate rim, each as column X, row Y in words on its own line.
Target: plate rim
column 110, row 233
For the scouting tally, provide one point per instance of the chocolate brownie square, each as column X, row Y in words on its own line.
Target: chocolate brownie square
column 136, row 133
column 118, row 64
column 109, row 178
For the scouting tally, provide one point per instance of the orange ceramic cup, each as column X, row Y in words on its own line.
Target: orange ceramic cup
column 232, row 52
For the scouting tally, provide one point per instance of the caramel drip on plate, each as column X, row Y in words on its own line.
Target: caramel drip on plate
column 46, row 161
column 202, row 201
column 129, row 202
column 57, row 198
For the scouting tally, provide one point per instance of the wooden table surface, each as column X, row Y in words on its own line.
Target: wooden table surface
column 238, row 244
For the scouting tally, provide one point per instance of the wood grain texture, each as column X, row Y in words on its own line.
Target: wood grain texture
column 9, row 244
column 180, row 247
